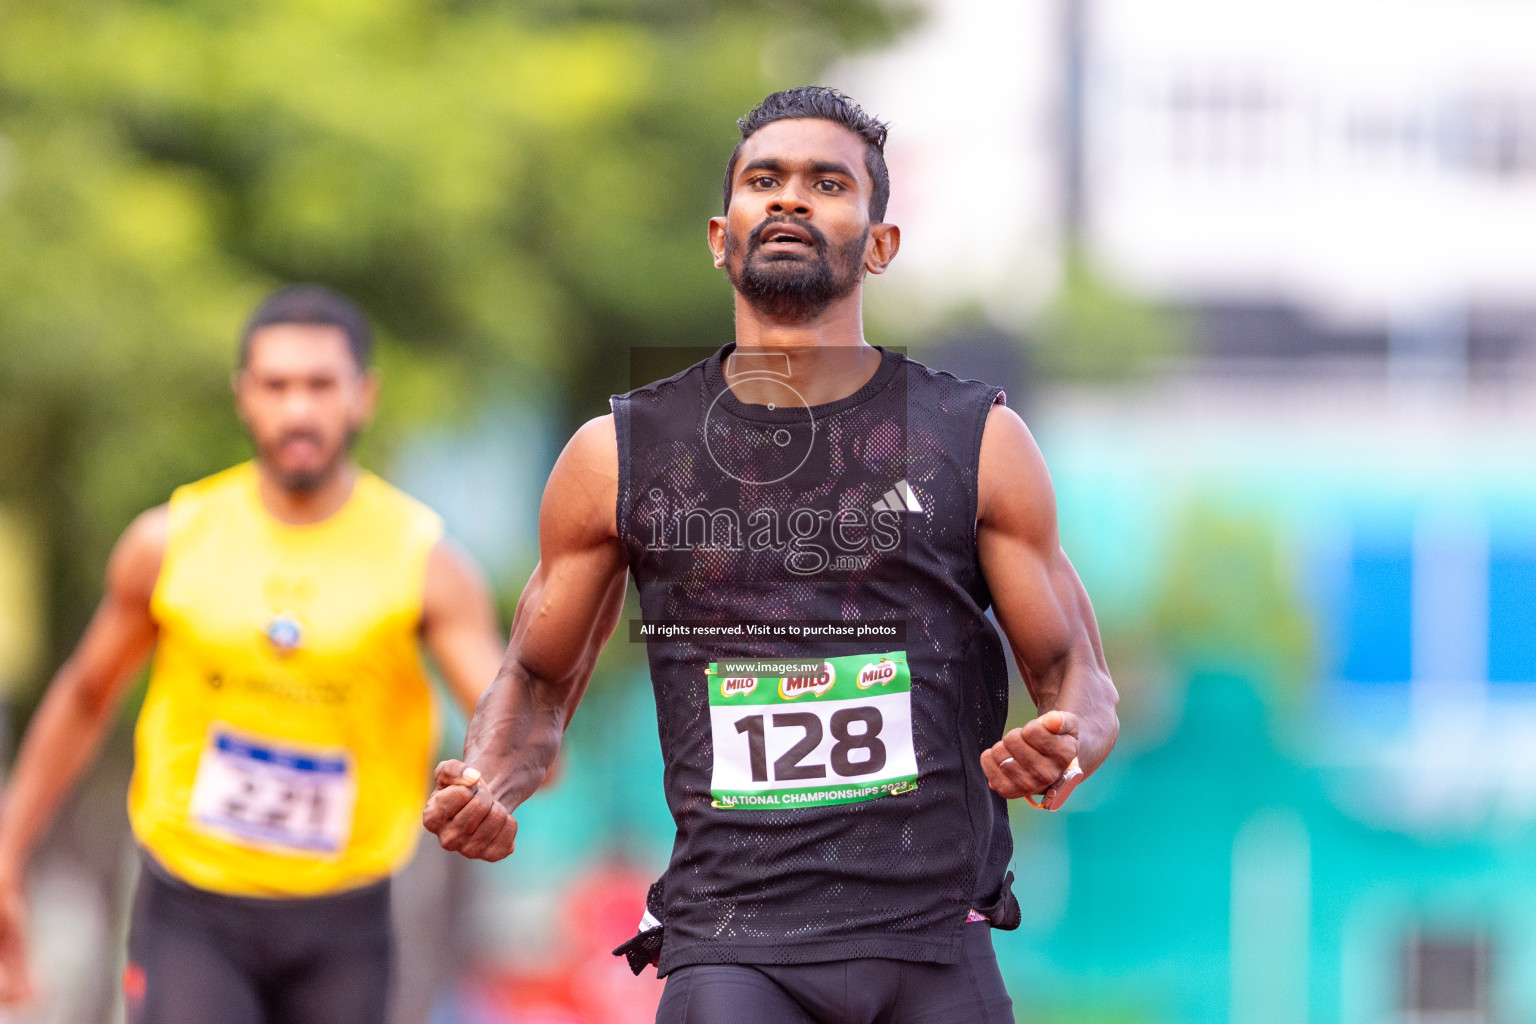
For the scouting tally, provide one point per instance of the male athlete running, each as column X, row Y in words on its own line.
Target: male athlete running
column 842, row 837
column 284, row 741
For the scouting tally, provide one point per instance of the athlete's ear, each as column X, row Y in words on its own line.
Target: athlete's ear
column 884, row 240
column 717, row 240
column 237, row 386
column 368, row 396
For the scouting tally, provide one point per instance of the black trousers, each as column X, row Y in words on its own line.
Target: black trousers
column 197, row 957
column 865, row 991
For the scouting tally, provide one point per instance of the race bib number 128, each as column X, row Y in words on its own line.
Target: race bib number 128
column 807, row 733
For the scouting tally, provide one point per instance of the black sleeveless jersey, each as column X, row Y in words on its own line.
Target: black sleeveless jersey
column 835, row 809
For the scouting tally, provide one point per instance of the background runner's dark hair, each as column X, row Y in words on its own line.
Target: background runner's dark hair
column 312, row 304
column 823, row 104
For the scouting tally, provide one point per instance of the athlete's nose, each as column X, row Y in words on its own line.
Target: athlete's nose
column 790, row 201
column 298, row 404
column 796, row 209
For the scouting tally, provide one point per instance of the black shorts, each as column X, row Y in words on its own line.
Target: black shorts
column 195, row 956
column 864, row 991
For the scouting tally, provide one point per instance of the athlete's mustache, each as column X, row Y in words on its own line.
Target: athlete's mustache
column 755, row 239
column 301, row 434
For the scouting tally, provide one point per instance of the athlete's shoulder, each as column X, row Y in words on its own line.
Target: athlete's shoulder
column 950, row 384
column 593, row 449
column 583, row 488
column 657, row 388
column 384, row 500
column 211, row 496
column 221, row 484
column 1014, row 485
column 139, row 553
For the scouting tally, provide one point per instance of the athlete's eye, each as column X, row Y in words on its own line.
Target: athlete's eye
column 829, row 185
column 762, row 181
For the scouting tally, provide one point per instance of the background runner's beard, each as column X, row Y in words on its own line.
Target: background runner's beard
column 310, row 481
column 792, row 288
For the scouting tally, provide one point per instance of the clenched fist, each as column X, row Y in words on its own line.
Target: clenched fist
column 1039, row 757
column 465, row 817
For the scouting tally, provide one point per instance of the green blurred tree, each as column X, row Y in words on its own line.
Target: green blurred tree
column 1229, row 603
column 1093, row 331
column 516, row 193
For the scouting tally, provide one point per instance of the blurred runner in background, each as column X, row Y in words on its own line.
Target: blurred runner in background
column 842, row 844
column 284, row 742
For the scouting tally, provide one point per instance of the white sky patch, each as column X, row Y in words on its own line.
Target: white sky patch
column 971, row 98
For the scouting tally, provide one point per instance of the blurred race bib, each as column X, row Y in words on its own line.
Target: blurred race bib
column 274, row 796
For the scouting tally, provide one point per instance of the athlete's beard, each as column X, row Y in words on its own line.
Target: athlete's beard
column 789, row 288
column 305, row 482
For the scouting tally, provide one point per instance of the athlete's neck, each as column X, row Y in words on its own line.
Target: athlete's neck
column 828, row 358
column 300, row 508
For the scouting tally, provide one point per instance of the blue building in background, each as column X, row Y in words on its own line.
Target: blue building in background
column 1359, row 848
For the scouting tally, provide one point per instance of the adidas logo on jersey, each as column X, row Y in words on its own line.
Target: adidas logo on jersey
column 900, row 498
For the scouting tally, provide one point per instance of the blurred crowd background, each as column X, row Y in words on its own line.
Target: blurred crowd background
column 1260, row 276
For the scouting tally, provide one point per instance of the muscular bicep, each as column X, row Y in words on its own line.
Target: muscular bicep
column 458, row 623
column 571, row 604
column 1039, row 599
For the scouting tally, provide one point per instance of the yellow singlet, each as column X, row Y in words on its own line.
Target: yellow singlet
column 285, row 740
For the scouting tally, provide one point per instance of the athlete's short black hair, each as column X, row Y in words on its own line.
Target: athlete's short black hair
column 823, row 104
column 312, row 304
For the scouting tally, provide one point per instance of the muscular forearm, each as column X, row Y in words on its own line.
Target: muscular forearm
column 1087, row 692
column 521, row 718
column 516, row 732
column 63, row 739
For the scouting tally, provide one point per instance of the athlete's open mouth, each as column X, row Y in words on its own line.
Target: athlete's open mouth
column 787, row 236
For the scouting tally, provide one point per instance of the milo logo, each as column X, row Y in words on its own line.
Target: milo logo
column 876, row 673
column 791, row 687
column 731, row 686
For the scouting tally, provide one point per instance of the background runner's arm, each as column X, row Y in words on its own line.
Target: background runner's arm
column 565, row 615
column 458, row 623
column 70, row 723
column 1046, row 615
